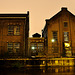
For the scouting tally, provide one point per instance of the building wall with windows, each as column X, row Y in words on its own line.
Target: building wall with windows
column 59, row 31
column 36, row 47
column 14, row 33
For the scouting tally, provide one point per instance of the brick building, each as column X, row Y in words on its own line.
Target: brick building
column 59, row 34
column 36, row 45
column 14, row 33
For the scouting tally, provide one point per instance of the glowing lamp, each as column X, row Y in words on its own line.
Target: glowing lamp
column 33, row 47
column 52, row 40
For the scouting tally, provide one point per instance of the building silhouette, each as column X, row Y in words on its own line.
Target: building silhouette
column 59, row 34
column 14, row 33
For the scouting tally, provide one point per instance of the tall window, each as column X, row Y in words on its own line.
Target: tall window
column 66, row 36
column 10, row 47
column 16, row 47
column 13, row 47
column 13, row 30
column 55, row 37
column 16, row 30
column 65, row 24
column 10, row 30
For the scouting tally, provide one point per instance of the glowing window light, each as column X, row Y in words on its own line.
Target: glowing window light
column 67, row 45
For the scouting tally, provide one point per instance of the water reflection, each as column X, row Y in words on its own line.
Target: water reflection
column 39, row 71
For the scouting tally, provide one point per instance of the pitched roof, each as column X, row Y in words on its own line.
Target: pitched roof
column 58, row 15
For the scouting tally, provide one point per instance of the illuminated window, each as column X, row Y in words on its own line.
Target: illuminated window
column 65, row 24
column 13, row 30
column 55, row 37
column 66, row 36
column 16, row 30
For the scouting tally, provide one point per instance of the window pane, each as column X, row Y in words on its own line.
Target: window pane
column 16, row 30
column 10, row 30
column 66, row 36
column 10, row 47
column 55, row 35
column 65, row 24
column 16, row 47
column 40, row 46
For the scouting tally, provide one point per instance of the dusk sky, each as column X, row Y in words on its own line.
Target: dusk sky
column 39, row 10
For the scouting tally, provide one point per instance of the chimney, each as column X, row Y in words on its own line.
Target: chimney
column 64, row 8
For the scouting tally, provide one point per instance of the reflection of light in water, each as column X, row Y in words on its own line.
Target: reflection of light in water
column 43, row 71
column 56, row 69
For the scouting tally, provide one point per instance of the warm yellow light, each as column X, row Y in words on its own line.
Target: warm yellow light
column 67, row 45
column 52, row 40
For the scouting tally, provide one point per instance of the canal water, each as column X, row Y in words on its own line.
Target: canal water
column 39, row 71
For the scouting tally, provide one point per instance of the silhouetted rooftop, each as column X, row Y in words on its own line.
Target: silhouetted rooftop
column 14, row 15
column 36, row 35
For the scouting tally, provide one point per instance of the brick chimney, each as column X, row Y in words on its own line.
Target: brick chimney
column 64, row 8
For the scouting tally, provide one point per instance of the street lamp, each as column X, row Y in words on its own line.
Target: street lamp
column 33, row 48
column 53, row 40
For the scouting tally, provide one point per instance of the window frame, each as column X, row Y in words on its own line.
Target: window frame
column 65, row 26
column 13, row 47
column 66, row 36
column 55, row 37
column 14, row 31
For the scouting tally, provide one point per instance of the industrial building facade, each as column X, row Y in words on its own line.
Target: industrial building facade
column 36, row 46
column 14, row 33
column 59, row 34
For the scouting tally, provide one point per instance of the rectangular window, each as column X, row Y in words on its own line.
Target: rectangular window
column 10, row 47
column 65, row 24
column 10, row 30
column 13, row 47
column 16, row 47
column 13, row 30
column 33, row 46
column 66, row 36
column 40, row 45
column 16, row 30
column 55, row 37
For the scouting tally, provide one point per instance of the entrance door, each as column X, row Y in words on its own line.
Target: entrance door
column 67, row 49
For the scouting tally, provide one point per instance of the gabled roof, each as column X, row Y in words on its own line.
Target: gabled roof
column 57, row 15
